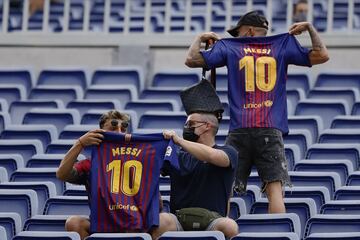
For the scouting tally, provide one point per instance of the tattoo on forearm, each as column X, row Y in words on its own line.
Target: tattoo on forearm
column 317, row 44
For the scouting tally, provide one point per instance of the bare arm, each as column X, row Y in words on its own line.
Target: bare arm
column 194, row 58
column 200, row 151
column 66, row 171
column 319, row 53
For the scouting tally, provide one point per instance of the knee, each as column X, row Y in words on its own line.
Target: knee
column 74, row 224
column 228, row 226
column 167, row 222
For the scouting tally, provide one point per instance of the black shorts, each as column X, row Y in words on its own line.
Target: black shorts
column 263, row 148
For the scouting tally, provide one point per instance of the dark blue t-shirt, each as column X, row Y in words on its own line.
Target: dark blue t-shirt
column 201, row 184
column 257, row 73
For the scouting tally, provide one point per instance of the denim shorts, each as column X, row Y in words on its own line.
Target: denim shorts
column 262, row 148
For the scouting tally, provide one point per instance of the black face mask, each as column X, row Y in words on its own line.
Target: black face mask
column 190, row 135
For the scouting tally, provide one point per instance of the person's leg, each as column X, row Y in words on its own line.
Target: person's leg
column 78, row 224
column 167, row 222
column 272, row 167
column 275, row 196
column 225, row 225
column 240, row 140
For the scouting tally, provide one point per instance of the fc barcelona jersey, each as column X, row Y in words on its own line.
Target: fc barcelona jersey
column 124, row 177
column 257, row 73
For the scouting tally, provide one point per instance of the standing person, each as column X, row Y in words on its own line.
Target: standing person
column 79, row 172
column 257, row 72
column 300, row 11
column 203, row 184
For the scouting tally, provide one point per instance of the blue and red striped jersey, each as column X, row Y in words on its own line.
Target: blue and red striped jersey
column 257, row 73
column 125, row 170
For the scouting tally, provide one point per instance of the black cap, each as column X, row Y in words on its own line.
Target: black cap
column 202, row 98
column 253, row 18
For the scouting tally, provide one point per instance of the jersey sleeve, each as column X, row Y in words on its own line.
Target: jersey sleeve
column 215, row 56
column 171, row 155
column 296, row 54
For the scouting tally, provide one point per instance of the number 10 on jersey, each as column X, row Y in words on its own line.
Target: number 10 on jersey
column 257, row 76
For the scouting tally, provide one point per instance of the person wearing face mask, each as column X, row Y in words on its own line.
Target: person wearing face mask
column 79, row 172
column 257, row 72
column 200, row 190
column 300, row 11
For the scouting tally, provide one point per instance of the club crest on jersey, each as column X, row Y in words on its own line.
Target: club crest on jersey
column 168, row 151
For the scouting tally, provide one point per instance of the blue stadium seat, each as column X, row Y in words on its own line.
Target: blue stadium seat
column 27, row 148
column 326, row 109
column 342, row 167
column 24, row 202
column 52, row 92
column 128, row 75
column 46, row 223
column 251, row 196
column 298, row 81
column 205, row 235
column 352, row 122
column 4, row 107
column 11, row 162
column 44, row 133
column 175, row 79
column 121, row 236
column 60, row 146
column 12, row 92
column 164, row 120
column 349, row 95
column 19, row 108
column 319, row 194
column 302, row 138
column 237, row 208
column 161, row 94
column 38, row 174
column 341, row 207
column 3, row 234
column 46, row 160
column 123, row 93
column 338, row 80
column 266, row 236
column 221, row 80
column 356, row 109
column 67, row 205
column 330, row 180
column 311, row 123
column 4, row 175
column 11, row 222
column 39, row 235
column 63, row 76
column 340, row 136
column 332, row 223
column 58, row 117
column 20, row 76
column 76, row 131
column 295, row 95
column 335, row 151
column 44, row 190
column 142, row 106
column 221, row 136
column 4, row 120
column 292, row 155
column 353, row 179
column 166, row 203
column 347, row 193
column 74, row 190
column 85, row 105
column 92, row 118
column 285, row 222
column 331, row 236
column 305, row 208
